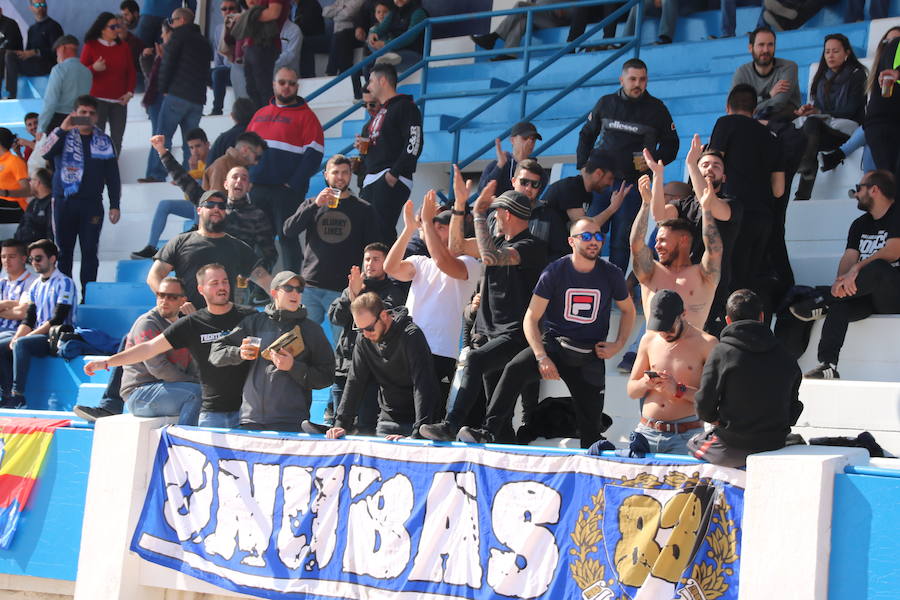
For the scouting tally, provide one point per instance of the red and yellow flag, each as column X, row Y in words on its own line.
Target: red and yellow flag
column 23, row 446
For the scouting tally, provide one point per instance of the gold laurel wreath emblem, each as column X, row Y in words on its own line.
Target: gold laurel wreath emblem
column 722, row 538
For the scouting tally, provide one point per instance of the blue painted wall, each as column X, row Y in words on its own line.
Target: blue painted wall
column 48, row 537
column 864, row 534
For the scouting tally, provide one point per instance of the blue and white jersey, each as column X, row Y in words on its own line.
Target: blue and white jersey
column 45, row 294
column 15, row 290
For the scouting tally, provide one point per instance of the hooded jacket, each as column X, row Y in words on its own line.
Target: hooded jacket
column 296, row 145
column 272, row 396
column 184, row 71
column 395, row 135
column 402, row 366
column 750, row 385
column 339, row 314
column 400, row 20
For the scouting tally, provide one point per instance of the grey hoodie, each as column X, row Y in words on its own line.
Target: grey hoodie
column 271, row 396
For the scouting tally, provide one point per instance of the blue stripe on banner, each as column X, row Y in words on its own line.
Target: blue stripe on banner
column 308, row 518
column 9, row 518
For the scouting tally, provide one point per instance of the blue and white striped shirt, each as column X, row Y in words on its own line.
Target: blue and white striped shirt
column 45, row 294
column 15, row 290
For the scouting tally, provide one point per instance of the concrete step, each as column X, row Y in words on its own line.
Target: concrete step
column 871, row 351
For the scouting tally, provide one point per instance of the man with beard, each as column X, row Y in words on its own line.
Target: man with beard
column 626, row 122
column 336, row 231
column 774, row 79
column 370, row 278
column 296, row 143
column 868, row 274
column 221, row 386
column 674, row 270
column 50, row 301
column 188, row 252
column 666, row 374
column 573, row 297
column 394, row 354
column 727, row 212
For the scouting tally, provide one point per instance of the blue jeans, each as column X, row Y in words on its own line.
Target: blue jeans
column 317, row 300
column 878, row 9
column 668, row 17
column 166, row 399
column 619, row 226
column 177, row 112
column 224, row 420
column 155, row 168
column 26, row 348
column 668, row 443
column 181, row 208
column 221, row 79
column 6, row 362
column 857, row 140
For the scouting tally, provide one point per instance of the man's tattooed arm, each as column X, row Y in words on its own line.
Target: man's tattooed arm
column 490, row 254
column 641, row 258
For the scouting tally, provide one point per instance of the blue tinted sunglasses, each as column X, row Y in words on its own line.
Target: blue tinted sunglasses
column 586, row 236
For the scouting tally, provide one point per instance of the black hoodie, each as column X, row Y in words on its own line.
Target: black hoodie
column 750, row 385
column 402, row 366
column 396, row 138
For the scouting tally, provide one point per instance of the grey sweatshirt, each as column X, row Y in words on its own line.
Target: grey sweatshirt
column 783, row 69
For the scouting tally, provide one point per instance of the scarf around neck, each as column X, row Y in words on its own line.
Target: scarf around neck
column 73, row 157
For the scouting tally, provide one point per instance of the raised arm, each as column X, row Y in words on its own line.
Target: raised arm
column 394, row 264
column 641, row 258
column 459, row 244
column 658, row 207
column 692, row 158
column 135, row 354
column 615, row 202
column 443, row 258
column 711, row 262
column 491, row 255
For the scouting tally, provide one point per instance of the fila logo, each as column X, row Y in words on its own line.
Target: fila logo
column 582, row 305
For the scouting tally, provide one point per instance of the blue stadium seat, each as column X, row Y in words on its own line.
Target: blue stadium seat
column 115, row 321
column 134, row 271
column 119, row 293
column 61, row 378
column 33, row 86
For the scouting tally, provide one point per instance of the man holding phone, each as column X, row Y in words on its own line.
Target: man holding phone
column 666, row 374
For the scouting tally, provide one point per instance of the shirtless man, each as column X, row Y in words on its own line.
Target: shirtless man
column 695, row 283
column 666, row 374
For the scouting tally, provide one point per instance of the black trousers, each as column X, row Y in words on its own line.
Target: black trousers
column 587, row 396
column 748, row 259
column 444, row 368
column 388, row 204
column 881, row 137
column 279, row 202
column 582, row 16
column 484, row 366
column 877, row 292
column 819, row 137
column 259, row 67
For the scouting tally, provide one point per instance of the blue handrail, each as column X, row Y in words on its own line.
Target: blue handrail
column 425, row 28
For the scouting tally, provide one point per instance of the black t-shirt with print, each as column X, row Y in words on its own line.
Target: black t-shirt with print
column 868, row 235
column 222, row 386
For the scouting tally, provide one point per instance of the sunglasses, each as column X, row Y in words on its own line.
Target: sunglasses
column 535, row 183
column 35, row 259
column 39, row 4
column 291, row 288
column 167, row 296
column 852, row 192
column 214, row 204
column 586, row 236
column 113, row 27
column 369, row 328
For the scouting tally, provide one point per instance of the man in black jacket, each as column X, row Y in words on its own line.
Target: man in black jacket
column 749, row 388
column 627, row 121
column 183, row 77
column 370, row 278
column 10, row 39
column 39, row 56
column 394, row 352
column 395, row 143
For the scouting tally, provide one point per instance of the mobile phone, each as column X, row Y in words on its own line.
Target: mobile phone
column 651, row 374
column 80, row 121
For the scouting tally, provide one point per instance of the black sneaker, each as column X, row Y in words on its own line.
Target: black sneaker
column 823, row 371
column 830, row 160
column 474, row 436
column 91, row 413
column 486, row 40
column 313, row 428
column 525, row 435
column 811, row 309
column 626, row 363
column 14, row 402
column 145, row 252
column 438, row 432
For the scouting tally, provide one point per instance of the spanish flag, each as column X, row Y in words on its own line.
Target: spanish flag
column 23, row 446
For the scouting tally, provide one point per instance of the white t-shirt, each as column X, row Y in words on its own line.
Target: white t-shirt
column 436, row 302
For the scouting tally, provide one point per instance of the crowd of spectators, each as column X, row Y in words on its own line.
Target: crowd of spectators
column 513, row 265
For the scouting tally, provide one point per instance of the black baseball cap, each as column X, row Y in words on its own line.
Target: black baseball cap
column 665, row 307
column 525, row 129
column 515, row 202
column 600, row 159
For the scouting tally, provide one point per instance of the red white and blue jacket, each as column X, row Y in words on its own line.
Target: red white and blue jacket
column 296, row 145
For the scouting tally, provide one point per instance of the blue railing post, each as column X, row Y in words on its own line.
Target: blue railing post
column 426, row 54
column 638, row 29
column 526, row 62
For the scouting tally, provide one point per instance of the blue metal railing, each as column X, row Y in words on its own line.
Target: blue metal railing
column 527, row 49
